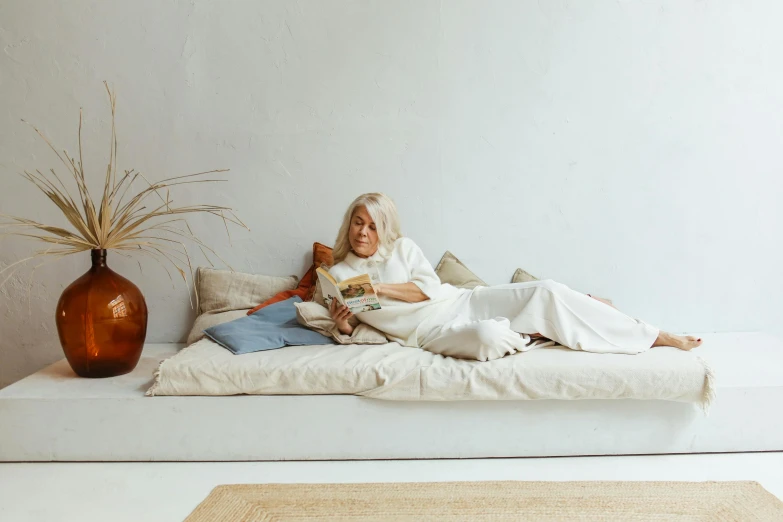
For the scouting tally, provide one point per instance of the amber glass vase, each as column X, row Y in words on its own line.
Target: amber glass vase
column 102, row 322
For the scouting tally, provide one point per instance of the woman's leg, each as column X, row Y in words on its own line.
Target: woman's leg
column 683, row 342
column 571, row 318
column 483, row 340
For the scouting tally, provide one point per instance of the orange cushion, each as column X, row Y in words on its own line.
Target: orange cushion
column 322, row 254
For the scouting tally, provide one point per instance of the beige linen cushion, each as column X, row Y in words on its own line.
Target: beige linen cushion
column 225, row 295
column 223, row 290
column 317, row 317
column 521, row 276
column 451, row 270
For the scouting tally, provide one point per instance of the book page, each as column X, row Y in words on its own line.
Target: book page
column 359, row 295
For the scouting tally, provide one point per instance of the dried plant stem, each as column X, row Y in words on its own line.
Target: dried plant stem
column 114, row 223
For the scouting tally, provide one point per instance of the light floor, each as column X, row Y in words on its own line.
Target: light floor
column 151, row 492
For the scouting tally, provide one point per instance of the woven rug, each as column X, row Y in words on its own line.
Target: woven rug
column 498, row 500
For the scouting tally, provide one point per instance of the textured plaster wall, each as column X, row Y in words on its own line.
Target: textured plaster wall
column 629, row 149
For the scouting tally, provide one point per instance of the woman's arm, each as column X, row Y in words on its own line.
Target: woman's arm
column 421, row 273
column 409, row 292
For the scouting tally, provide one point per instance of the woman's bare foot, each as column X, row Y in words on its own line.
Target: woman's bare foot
column 683, row 342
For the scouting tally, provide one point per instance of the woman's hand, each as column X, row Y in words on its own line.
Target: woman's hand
column 340, row 313
column 379, row 289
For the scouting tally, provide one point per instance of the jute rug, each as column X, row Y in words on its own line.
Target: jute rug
column 483, row 501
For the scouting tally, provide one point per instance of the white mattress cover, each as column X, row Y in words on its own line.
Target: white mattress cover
column 394, row 372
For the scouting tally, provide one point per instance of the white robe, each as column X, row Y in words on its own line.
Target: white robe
column 487, row 323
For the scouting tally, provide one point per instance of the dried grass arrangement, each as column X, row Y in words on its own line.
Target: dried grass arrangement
column 121, row 221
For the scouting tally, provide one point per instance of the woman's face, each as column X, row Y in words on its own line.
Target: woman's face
column 362, row 234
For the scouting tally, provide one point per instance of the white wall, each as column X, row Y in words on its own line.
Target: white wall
column 629, row 149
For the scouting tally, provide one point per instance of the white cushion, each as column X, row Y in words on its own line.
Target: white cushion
column 317, row 317
column 394, row 372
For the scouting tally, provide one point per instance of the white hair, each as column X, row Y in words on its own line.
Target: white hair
column 387, row 223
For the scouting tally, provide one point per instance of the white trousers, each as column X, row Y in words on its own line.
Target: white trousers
column 491, row 322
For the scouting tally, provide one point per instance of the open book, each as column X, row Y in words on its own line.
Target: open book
column 357, row 293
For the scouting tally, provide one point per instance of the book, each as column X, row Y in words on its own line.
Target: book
column 357, row 293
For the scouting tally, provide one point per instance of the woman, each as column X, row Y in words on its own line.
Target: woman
column 483, row 323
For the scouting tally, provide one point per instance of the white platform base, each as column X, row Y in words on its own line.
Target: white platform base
column 55, row 416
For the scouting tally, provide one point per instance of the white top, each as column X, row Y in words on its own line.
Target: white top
column 405, row 263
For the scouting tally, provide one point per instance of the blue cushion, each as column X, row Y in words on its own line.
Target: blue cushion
column 271, row 327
